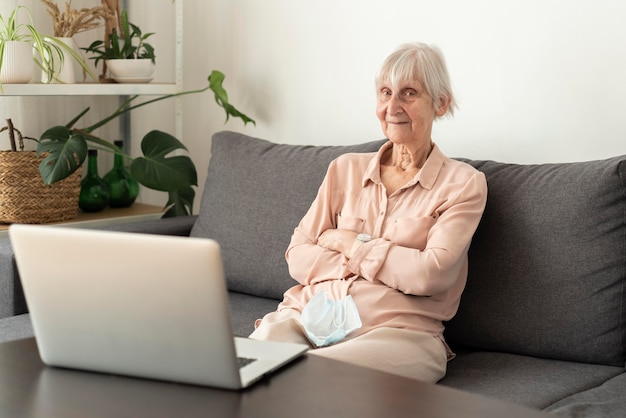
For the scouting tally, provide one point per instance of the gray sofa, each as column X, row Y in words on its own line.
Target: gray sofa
column 542, row 322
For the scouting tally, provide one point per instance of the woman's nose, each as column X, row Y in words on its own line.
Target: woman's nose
column 394, row 105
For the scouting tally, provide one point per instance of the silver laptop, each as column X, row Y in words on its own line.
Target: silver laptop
column 135, row 304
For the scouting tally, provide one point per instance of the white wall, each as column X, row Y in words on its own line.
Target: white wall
column 537, row 80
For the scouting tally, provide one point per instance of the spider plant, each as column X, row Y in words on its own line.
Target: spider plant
column 49, row 50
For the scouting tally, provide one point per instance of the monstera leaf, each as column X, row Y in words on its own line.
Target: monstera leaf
column 221, row 98
column 161, row 167
column 180, row 203
column 158, row 169
column 63, row 151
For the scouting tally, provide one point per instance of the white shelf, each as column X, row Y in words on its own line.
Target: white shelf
column 89, row 89
column 93, row 88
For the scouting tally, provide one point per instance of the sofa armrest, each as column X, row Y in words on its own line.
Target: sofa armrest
column 12, row 300
column 179, row 226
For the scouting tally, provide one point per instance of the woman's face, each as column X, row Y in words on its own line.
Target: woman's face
column 406, row 113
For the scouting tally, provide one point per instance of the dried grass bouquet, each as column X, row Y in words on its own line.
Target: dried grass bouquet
column 72, row 21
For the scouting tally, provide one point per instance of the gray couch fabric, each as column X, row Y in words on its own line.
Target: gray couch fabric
column 531, row 381
column 542, row 322
column 255, row 195
column 11, row 295
column 606, row 400
column 548, row 263
column 15, row 328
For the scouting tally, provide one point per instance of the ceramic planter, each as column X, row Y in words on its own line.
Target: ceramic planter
column 131, row 70
column 17, row 63
column 66, row 72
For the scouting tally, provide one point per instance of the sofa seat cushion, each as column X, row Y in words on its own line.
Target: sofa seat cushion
column 254, row 197
column 547, row 263
column 607, row 400
column 533, row 382
column 16, row 328
column 246, row 309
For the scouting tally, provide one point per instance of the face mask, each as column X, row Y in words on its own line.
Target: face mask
column 328, row 321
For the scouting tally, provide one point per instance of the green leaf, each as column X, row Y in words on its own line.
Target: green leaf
column 221, row 98
column 159, row 171
column 71, row 123
column 160, row 168
column 64, row 152
column 180, row 203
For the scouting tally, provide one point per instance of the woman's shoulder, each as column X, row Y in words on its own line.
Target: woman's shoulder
column 459, row 170
column 459, row 166
column 351, row 159
column 352, row 166
column 462, row 164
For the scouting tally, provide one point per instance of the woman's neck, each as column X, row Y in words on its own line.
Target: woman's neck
column 403, row 157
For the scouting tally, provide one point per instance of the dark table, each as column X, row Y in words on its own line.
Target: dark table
column 310, row 387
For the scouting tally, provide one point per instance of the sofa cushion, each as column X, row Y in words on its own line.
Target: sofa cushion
column 529, row 381
column 246, row 309
column 547, row 263
column 12, row 301
column 255, row 195
column 15, row 328
column 605, row 401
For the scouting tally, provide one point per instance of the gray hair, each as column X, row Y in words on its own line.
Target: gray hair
column 419, row 62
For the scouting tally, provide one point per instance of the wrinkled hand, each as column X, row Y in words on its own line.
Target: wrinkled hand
column 340, row 240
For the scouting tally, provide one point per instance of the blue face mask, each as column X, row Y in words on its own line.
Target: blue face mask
column 328, row 321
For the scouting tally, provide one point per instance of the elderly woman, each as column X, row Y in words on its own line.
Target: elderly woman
column 388, row 233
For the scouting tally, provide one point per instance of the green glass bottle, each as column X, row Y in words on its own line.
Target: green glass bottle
column 94, row 193
column 123, row 188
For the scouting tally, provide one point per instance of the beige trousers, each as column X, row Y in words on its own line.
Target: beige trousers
column 406, row 353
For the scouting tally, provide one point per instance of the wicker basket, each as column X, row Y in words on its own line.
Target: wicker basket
column 24, row 198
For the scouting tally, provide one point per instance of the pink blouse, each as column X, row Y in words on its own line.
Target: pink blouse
column 413, row 271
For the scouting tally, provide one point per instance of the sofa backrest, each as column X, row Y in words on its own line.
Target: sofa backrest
column 547, row 265
column 255, row 195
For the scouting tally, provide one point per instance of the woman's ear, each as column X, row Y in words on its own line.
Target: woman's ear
column 442, row 105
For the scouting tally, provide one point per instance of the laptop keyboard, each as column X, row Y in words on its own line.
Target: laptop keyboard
column 243, row 361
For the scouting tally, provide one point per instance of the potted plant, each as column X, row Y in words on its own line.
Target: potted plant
column 65, row 149
column 48, row 49
column 127, row 55
column 68, row 23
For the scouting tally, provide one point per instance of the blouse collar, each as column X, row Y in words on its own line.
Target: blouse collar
column 426, row 177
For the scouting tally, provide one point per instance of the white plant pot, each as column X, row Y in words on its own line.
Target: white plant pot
column 17, row 63
column 131, row 70
column 65, row 73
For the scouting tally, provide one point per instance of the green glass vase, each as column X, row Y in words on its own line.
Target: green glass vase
column 94, row 193
column 123, row 188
